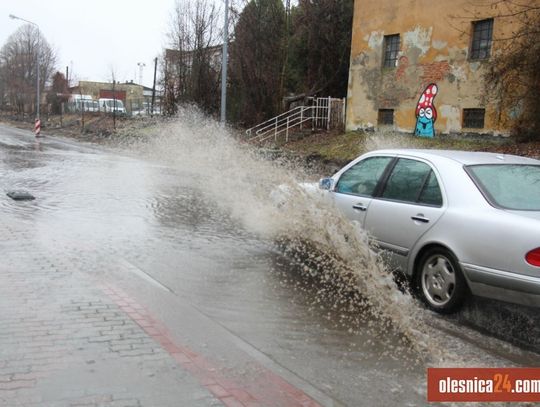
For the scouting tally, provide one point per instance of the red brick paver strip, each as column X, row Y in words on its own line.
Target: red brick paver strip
column 269, row 386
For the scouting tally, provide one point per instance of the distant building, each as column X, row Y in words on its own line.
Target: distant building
column 415, row 67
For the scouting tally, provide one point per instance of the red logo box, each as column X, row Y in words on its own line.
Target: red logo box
column 483, row 384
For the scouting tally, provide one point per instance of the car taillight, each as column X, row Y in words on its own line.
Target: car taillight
column 533, row 257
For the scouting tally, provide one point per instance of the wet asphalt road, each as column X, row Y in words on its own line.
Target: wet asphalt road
column 228, row 293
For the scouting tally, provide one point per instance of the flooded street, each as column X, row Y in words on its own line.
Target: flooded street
column 185, row 222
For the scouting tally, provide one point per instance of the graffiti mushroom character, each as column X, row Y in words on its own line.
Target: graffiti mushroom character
column 426, row 114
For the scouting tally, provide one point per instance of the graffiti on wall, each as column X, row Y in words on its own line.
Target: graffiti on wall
column 426, row 114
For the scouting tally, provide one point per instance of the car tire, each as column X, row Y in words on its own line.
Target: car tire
column 439, row 281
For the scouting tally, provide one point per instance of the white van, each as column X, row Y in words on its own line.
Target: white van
column 78, row 103
column 112, row 105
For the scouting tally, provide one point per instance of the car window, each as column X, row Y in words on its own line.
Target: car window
column 509, row 186
column 412, row 181
column 431, row 193
column 362, row 178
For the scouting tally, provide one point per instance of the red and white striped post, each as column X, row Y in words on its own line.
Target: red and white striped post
column 37, row 128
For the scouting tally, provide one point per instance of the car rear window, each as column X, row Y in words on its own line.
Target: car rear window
column 509, row 186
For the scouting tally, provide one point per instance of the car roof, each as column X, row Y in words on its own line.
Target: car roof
column 462, row 157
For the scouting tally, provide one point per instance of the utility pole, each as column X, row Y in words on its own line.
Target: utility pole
column 287, row 39
column 114, row 103
column 224, row 58
column 154, row 87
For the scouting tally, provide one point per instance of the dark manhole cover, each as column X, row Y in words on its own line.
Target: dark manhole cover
column 20, row 195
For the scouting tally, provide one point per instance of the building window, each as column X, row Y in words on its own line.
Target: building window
column 386, row 117
column 481, row 40
column 473, row 118
column 391, row 50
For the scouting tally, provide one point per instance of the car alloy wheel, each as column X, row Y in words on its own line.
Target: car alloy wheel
column 440, row 281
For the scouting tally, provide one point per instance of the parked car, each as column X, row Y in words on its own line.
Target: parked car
column 454, row 222
column 139, row 112
column 112, row 105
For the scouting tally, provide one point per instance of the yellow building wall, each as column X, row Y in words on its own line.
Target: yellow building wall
column 134, row 92
column 435, row 38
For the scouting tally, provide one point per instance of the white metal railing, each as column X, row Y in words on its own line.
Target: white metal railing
column 316, row 115
column 282, row 124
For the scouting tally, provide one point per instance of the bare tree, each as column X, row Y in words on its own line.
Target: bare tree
column 113, row 80
column 321, row 47
column 18, row 59
column 193, row 63
column 59, row 92
column 257, row 59
column 513, row 77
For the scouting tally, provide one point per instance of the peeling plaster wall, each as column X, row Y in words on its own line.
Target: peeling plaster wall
column 434, row 48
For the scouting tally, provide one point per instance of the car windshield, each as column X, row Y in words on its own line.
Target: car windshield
column 509, row 186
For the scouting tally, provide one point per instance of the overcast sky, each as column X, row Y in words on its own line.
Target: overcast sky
column 92, row 36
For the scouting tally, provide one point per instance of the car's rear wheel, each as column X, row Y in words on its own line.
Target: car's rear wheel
column 440, row 281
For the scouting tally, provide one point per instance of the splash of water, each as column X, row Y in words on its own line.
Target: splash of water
column 233, row 175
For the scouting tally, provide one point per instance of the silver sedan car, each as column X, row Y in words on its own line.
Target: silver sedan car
column 454, row 222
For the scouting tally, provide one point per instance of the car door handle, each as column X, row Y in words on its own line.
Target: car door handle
column 420, row 218
column 360, row 207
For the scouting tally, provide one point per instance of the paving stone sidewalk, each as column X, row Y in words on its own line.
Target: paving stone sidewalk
column 65, row 342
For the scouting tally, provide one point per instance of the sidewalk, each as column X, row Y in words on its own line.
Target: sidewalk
column 68, row 337
column 65, row 342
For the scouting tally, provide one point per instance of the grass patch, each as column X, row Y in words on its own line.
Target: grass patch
column 342, row 147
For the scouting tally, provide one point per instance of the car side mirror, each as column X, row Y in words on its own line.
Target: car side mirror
column 326, row 184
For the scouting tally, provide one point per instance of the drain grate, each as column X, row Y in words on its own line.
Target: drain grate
column 20, row 195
